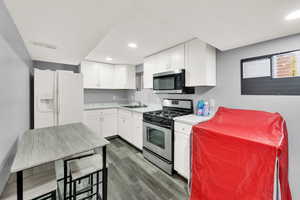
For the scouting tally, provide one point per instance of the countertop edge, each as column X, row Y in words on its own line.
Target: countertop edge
column 146, row 109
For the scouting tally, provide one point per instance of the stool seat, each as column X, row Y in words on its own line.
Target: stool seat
column 85, row 166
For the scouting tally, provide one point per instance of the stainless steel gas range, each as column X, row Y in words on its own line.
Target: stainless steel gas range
column 158, row 133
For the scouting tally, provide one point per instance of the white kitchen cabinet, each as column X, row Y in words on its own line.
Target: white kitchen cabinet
column 92, row 119
column 108, row 123
column 177, row 57
column 102, row 122
column 125, row 124
column 108, row 76
column 149, row 69
column 131, row 127
column 200, row 64
column 124, row 77
column 182, row 154
column 162, row 61
column 90, row 73
column 105, row 75
column 122, row 127
column 196, row 57
column 182, row 149
column 137, row 138
column 168, row 60
column 120, row 77
column 131, row 77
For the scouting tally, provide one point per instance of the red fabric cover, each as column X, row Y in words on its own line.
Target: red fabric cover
column 234, row 153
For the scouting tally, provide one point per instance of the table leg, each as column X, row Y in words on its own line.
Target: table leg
column 20, row 185
column 65, row 180
column 104, row 178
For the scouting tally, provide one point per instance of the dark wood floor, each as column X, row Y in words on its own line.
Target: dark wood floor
column 131, row 177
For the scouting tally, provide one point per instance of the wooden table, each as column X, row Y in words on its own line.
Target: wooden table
column 45, row 145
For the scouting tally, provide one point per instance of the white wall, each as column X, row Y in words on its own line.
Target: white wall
column 15, row 66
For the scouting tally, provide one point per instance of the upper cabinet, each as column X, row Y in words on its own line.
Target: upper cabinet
column 90, row 73
column 200, row 64
column 124, row 77
column 196, row 57
column 107, row 76
column 149, row 69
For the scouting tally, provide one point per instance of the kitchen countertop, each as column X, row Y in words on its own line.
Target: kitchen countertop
column 192, row 119
column 97, row 106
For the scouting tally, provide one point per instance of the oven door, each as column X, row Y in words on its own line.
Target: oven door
column 158, row 140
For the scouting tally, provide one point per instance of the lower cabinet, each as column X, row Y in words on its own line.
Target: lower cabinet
column 103, row 122
column 182, row 149
column 124, row 122
column 131, row 127
column 109, row 122
column 137, row 139
column 92, row 118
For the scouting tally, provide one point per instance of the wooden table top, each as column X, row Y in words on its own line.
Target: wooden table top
column 44, row 145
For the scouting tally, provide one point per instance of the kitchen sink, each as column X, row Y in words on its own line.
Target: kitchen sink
column 136, row 106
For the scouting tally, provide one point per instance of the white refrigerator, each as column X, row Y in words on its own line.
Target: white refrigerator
column 58, row 98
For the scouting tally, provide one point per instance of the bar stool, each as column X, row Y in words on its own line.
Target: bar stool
column 85, row 168
column 62, row 170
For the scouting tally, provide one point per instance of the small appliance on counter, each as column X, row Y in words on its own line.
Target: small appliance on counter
column 158, row 132
column 171, row 82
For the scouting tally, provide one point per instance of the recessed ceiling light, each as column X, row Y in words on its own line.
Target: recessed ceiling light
column 293, row 15
column 108, row 59
column 132, row 45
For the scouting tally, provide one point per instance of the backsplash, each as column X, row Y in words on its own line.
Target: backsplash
column 147, row 96
column 105, row 96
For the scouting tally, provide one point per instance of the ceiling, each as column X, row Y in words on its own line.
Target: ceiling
column 96, row 29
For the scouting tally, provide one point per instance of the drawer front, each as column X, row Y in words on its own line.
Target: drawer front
column 183, row 128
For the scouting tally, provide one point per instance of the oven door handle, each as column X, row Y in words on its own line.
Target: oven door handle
column 157, row 127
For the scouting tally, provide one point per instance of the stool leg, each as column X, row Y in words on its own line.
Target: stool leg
column 75, row 191
column 104, row 175
column 65, row 179
column 97, row 187
column 70, row 187
column 92, row 183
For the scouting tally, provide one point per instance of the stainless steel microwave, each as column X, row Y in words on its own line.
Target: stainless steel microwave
column 171, row 82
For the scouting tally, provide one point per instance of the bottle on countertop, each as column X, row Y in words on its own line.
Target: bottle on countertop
column 206, row 109
column 200, row 108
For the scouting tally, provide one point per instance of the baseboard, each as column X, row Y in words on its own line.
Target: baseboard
column 6, row 165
